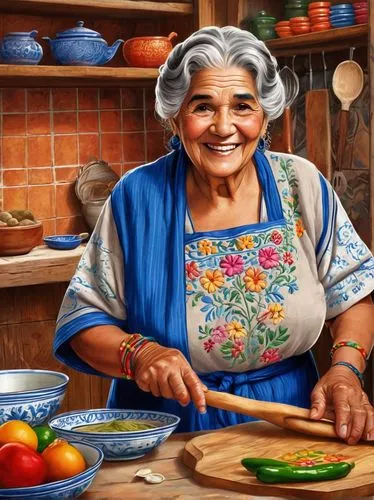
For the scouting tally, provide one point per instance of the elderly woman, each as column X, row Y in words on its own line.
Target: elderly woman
column 218, row 264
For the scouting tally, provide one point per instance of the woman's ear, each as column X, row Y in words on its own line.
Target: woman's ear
column 264, row 126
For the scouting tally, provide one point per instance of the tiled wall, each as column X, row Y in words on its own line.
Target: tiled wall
column 46, row 134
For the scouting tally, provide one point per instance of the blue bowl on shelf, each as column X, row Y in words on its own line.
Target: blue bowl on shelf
column 72, row 487
column 335, row 15
column 65, row 241
column 341, row 6
column 343, row 19
column 342, row 24
column 116, row 445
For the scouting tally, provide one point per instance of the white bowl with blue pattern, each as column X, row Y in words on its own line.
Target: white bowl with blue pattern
column 116, row 445
column 67, row 488
column 33, row 396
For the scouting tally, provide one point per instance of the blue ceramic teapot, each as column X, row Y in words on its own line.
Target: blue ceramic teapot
column 81, row 46
column 20, row 48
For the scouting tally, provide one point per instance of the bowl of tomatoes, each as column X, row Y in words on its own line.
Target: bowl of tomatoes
column 33, row 396
column 34, row 463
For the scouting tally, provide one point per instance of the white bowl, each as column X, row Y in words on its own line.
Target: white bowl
column 67, row 488
column 116, row 445
column 33, row 396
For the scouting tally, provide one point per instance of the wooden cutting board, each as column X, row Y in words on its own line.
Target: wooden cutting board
column 215, row 461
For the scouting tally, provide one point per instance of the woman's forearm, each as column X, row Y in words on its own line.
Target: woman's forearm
column 99, row 347
column 357, row 324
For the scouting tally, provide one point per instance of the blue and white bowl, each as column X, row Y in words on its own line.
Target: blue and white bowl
column 67, row 488
column 33, row 396
column 116, row 445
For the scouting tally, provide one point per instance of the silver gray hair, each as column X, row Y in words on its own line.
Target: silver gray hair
column 214, row 47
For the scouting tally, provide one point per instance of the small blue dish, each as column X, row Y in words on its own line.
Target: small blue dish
column 342, row 6
column 342, row 18
column 65, row 241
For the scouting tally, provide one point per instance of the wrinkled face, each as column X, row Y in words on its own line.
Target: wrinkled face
column 220, row 121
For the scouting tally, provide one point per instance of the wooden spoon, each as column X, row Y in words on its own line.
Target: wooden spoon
column 347, row 84
column 282, row 415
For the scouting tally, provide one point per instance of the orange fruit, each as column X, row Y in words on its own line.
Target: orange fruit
column 16, row 431
column 63, row 460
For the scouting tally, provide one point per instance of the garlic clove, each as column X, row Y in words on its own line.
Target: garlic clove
column 143, row 473
column 154, row 478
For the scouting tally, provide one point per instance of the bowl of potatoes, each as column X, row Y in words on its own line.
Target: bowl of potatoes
column 20, row 232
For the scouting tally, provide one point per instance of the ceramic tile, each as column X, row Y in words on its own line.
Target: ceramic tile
column 40, row 176
column 64, row 99
column 109, row 98
column 117, row 168
column 14, row 152
column 66, row 174
column 133, row 147
column 71, row 225
column 133, row 120
column 110, row 121
column 155, row 145
column 49, row 227
column 15, row 177
column 65, row 122
column 150, row 99
column 151, row 122
column 15, row 198
column 67, row 202
column 38, row 100
column 14, row 124
column 66, row 150
column 88, row 99
column 38, row 123
column 132, row 98
column 14, row 100
column 111, row 148
column 39, row 153
column 88, row 121
column 89, row 148
column 130, row 166
column 42, row 201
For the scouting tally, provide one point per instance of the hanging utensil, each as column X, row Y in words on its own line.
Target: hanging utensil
column 282, row 415
column 291, row 85
column 318, row 124
column 347, row 84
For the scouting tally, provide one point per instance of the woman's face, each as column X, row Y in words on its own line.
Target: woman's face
column 220, row 121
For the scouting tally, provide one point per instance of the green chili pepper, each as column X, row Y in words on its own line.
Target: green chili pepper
column 294, row 474
column 253, row 464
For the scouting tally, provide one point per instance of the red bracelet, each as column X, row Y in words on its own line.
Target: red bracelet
column 349, row 343
column 127, row 351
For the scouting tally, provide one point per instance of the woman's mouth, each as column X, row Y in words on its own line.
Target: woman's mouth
column 222, row 149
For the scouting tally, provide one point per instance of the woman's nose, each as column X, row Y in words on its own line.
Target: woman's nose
column 223, row 124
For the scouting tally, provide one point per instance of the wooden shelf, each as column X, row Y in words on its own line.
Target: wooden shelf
column 328, row 41
column 75, row 76
column 41, row 265
column 97, row 8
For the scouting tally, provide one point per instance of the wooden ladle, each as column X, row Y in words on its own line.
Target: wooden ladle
column 347, row 84
column 282, row 415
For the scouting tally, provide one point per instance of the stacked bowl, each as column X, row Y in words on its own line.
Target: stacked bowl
column 342, row 15
column 296, row 8
column 319, row 13
column 283, row 29
column 361, row 12
column 300, row 25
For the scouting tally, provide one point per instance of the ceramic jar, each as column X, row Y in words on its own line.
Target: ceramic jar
column 148, row 51
column 20, row 48
column 81, row 46
column 262, row 26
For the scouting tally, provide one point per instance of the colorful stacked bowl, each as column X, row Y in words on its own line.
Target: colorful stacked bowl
column 300, row 25
column 342, row 15
column 283, row 29
column 262, row 25
column 296, row 8
column 319, row 15
column 361, row 12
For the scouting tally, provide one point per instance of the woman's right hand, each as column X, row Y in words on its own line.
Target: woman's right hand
column 166, row 372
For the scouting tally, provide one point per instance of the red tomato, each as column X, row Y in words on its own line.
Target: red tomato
column 20, row 466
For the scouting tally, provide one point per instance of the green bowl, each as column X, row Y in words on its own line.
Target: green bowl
column 266, row 33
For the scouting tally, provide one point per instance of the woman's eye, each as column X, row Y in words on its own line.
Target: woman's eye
column 201, row 108
column 243, row 107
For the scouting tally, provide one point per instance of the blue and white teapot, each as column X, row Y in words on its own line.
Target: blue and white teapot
column 20, row 48
column 81, row 46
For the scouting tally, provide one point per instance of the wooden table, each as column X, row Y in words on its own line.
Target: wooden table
column 116, row 480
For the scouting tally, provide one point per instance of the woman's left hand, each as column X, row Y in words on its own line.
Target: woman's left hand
column 339, row 396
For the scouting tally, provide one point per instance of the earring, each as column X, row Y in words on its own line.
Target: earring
column 174, row 142
column 264, row 142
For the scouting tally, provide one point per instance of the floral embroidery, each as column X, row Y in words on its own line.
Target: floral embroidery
column 299, row 228
column 240, row 292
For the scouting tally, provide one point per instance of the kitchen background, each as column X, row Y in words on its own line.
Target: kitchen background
column 49, row 128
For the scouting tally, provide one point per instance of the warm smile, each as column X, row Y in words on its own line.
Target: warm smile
column 224, row 149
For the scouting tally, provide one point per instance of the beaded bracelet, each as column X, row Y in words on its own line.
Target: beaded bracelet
column 353, row 368
column 349, row 343
column 127, row 351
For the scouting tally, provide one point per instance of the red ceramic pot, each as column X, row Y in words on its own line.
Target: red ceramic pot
column 19, row 240
column 147, row 51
